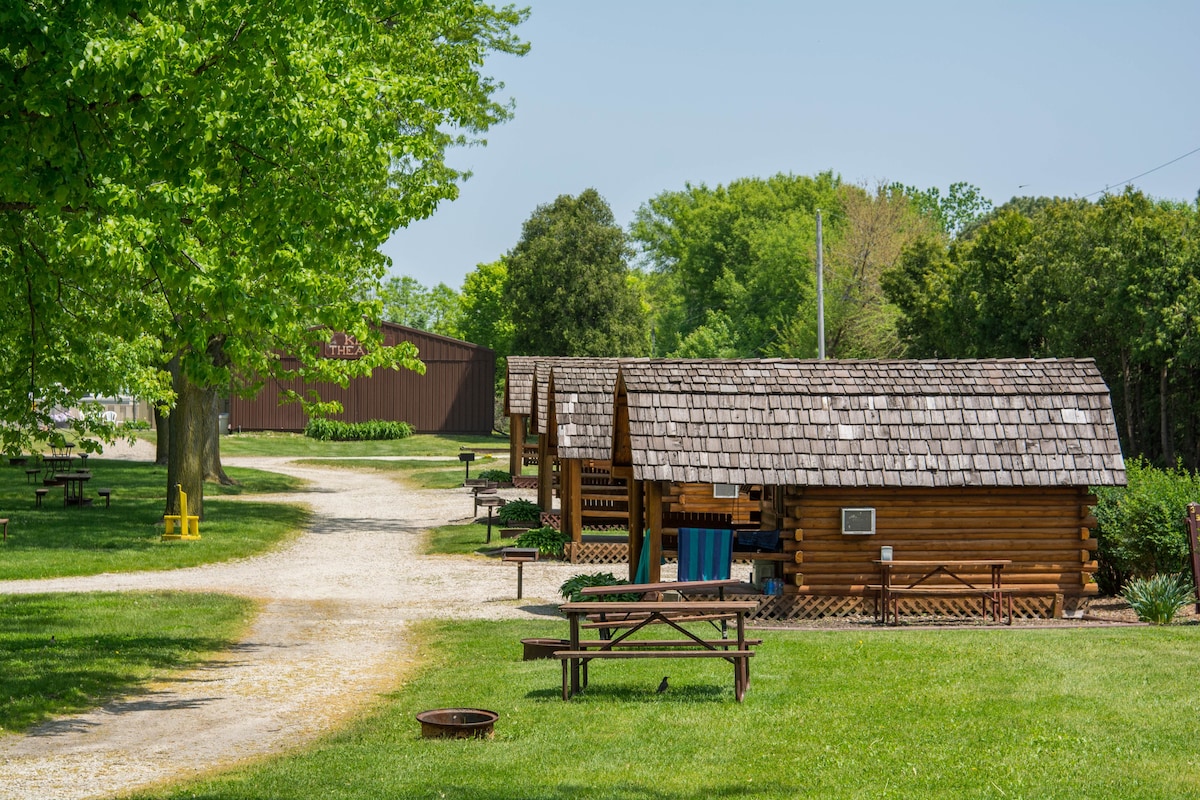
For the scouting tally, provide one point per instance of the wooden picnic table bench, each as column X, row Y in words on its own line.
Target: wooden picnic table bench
column 576, row 656
column 962, row 580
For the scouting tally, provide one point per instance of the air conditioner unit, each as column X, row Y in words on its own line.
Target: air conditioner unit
column 726, row 491
column 858, row 521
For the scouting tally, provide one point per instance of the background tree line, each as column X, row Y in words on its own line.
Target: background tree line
column 729, row 271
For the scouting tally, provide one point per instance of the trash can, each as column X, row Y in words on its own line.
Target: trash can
column 222, row 424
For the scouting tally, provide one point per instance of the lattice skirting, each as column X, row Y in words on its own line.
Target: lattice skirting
column 525, row 481
column 781, row 608
column 550, row 520
column 597, row 552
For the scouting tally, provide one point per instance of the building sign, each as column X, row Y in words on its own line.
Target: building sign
column 343, row 345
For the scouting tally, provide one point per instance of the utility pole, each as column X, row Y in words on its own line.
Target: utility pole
column 820, row 292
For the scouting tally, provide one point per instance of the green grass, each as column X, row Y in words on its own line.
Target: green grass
column 464, row 539
column 64, row 653
column 415, row 474
column 54, row 541
column 899, row 714
column 300, row 446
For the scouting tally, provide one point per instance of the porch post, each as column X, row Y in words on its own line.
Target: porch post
column 637, row 523
column 570, row 491
column 545, row 474
column 516, row 443
column 654, row 510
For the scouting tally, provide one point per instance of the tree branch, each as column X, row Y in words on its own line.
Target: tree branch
column 215, row 58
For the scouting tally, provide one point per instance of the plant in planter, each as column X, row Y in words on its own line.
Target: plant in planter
column 571, row 586
column 519, row 511
column 548, row 541
column 497, row 475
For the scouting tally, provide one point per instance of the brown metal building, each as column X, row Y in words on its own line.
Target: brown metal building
column 455, row 395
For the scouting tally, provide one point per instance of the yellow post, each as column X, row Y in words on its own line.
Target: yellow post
column 189, row 524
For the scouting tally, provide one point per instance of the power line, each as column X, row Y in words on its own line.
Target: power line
column 1144, row 174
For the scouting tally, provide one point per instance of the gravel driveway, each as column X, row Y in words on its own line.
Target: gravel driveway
column 329, row 640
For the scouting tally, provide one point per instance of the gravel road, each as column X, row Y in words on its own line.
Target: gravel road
column 330, row 638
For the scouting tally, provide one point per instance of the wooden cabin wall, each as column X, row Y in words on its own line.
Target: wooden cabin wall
column 1045, row 532
column 696, row 500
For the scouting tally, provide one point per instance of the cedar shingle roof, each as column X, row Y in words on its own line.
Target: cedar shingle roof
column 583, row 396
column 873, row 423
column 518, row 385
column 578, row 367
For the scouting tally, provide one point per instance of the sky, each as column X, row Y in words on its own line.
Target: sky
column 637, row 97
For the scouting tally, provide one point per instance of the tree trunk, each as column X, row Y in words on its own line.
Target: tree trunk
column 162, row 422
column 213, row 471
column 1168, row 444
column 1128, row 381
column 162, row 444
column 189, row 422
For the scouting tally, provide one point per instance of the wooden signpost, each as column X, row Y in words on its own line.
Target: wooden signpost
column 1193, row 520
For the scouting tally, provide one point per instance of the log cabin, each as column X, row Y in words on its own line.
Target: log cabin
column 953, row 460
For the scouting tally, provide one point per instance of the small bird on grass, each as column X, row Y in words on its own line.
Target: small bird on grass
column 662, row 687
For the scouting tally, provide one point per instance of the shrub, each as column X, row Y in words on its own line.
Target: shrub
column 519, row 511
column 571, row 586
column 548, row 541
column 1143, row 526
column 331, row 430
column 1158, row 599
column 497, row 475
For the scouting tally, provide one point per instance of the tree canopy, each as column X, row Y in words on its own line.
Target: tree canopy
column 1115, row 280
column 569, row 289
column 207, row 184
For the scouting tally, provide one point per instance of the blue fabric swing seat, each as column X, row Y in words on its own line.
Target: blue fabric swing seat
column 705, row 554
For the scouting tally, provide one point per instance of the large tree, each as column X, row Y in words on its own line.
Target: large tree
column 569, row 289
column 209, row 183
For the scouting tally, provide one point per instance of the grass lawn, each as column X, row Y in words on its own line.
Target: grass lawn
column 900, row 714
column 464, row 540
column 63, row 653
column 54, row 541
column 446, row 474
column 300, row 446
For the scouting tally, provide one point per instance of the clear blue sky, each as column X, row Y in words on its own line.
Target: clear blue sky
column 636, row 97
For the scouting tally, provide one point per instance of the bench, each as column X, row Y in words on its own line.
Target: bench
column 994, row 599
column 38, row 494
column 106, row 494
column 4, row 524
column 739, row 658
column 30, row 474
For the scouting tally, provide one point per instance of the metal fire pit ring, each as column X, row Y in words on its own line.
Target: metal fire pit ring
column 457, row 723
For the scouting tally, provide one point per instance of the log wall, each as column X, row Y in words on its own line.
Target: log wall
column 1045, row 532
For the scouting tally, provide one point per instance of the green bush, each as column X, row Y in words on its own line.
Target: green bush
column 497, row 475
column 548, row 541
column 1143, row 526
column 1158, row 599
column 519, row 511
column 571, row 586
column 331, row 430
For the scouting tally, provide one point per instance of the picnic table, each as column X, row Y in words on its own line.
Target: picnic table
column 73, row 488
column 959, row 578
column 642, row 614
